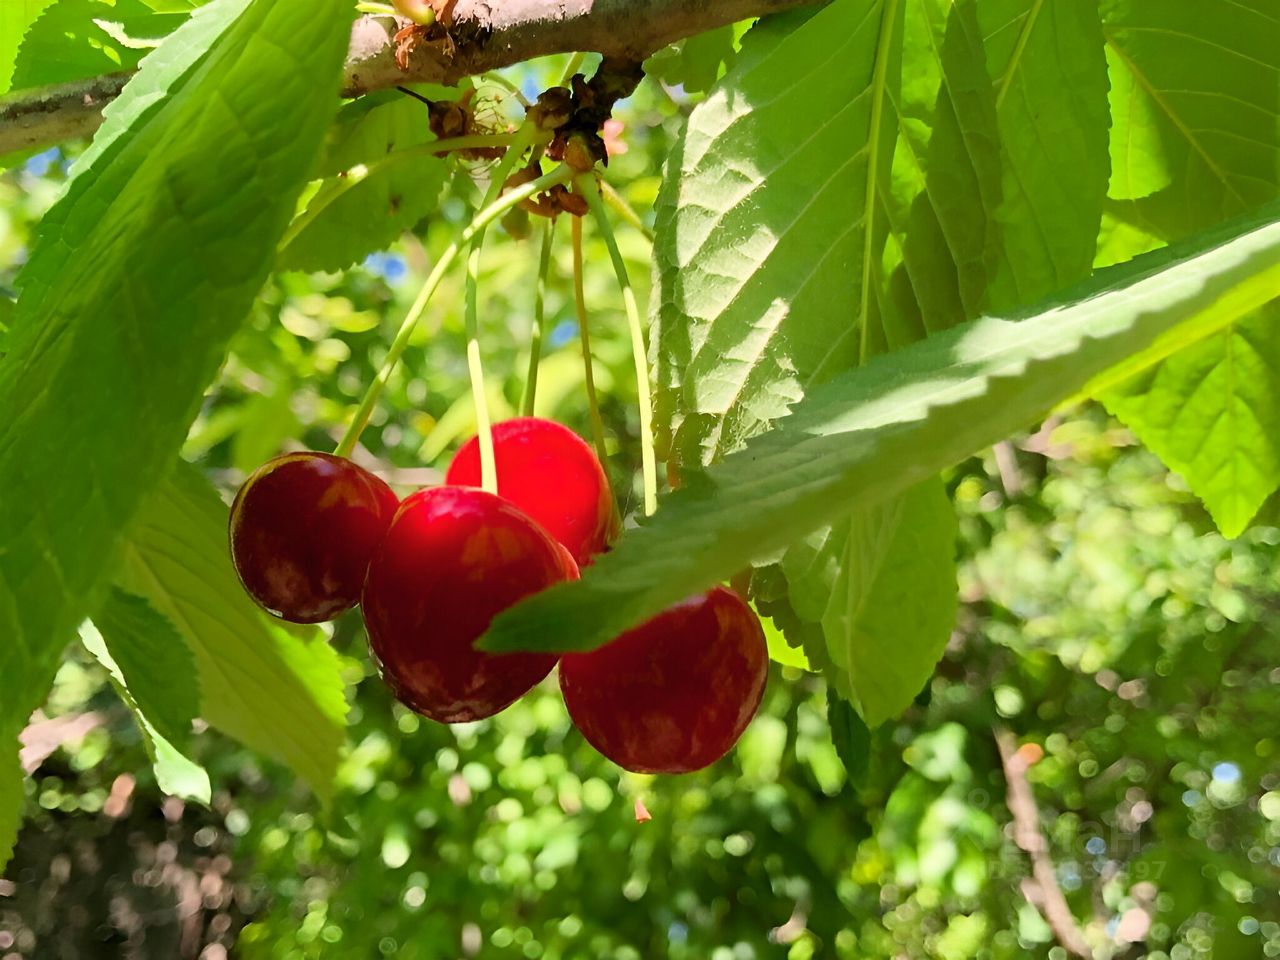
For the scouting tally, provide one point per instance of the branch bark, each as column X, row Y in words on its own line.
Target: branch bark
column 1042, row 889
column 482, row 35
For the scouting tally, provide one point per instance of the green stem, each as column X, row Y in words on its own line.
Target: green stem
column 539, row 319
column 401, row 341
column 586, row 184
column 499, row 80
column 625, row 210
column 335, row 187
column 575, row 64
column 588, row 374
column 488, row 461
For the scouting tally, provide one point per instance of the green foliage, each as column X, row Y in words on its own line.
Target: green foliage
column 882, row 588
column 341, row 223
column 925, row 408
column 79, row 39
column 1049, row 77
column 849, row 735
column 1197, row 138
column 15, row 20
column 861, row 179
column 152, row 661
column 274, row 691
column 698, row 62
column 126, row 618
column 172, row 225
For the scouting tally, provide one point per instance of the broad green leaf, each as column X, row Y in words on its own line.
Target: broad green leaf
column 893, row 605
column 1196, row 139
column 874, row 432
column 882, row 585
column 804, row 205
column 98, row 175
column 16, row 17
column 175, row 774
column 10, row 794
column 136, row 284
column 264, row 685
column 152, row 661
column 342, row 224
column 79, row 39
column 1213, row 414
column 1050, row 75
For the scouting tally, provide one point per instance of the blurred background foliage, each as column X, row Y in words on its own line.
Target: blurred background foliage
column 1131, row 653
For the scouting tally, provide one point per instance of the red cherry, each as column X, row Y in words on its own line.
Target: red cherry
column 674, row 694
column 550, row 473
column 302, row 529
column 453, row 558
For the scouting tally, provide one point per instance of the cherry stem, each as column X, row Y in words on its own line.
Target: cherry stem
column 587, row 185
column 625, row 210
column 499, row 80
column 335, row 187
column 539, row 320
column 575, row 64
column 588, row 373
column 484, row 429
column 481, row 220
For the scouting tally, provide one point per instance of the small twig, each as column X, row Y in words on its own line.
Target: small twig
column 1041, row 889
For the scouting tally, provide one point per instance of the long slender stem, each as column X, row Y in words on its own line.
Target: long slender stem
column 499, row 80
column 479, row 396
column 539, row 319
column 625, row 210
column 401, row 341
column 649, row 462
column 584, row 337
column 337, row 186
column 575, row 64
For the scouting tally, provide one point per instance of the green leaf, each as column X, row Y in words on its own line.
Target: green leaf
column 696, row 63
column 1050, row 75
column 10, row 795
column 79, row 39
column 139, row 278
column 1213, row 414
column 15, row 20
column 342, row 224
column 883, row 587
column 850, row 736
column 1197, row 138
column 804, row 204
column 874, row 432
column 175, row 774
column 780, row 651
column 152, row 661
column 269, row 688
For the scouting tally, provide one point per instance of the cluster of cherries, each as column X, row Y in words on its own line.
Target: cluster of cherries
column 314, row 534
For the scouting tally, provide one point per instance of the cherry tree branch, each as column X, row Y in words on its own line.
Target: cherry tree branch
column 1041, row 889
column 482, row 35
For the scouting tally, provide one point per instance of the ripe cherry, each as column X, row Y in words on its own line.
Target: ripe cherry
column 550, row 473
column 675, row 693
column 453, row 558
column 302, row 529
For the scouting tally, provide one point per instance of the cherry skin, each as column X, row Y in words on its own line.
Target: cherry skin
column 550, row 473
column 674, row 694
column 453, row 558
column 302, row 529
